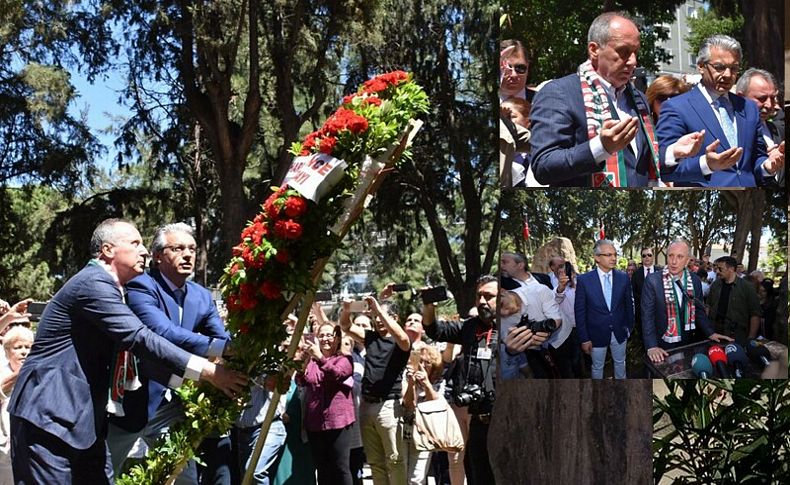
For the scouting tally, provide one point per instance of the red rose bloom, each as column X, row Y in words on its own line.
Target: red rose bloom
column 373, row 100
column 237, row 250
column 270, row 290
column 348, row 99
column 327, row 145
column 232, row 302
column 374, row 85
column 247, row 296
column 288, row 229
column 282, row 256
column 295, row 206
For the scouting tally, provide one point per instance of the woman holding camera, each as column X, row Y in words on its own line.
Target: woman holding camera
column 329, row 408
column 423, row 374
column 563, row 344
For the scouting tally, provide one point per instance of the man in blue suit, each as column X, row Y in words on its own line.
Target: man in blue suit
column 604, row 310
column 672, row 306
column 184, row 313
column 58, row 407
column 592, row 128
column 732, row 152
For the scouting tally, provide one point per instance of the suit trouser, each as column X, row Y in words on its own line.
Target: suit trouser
column 120, row 441
column 618, row 356
column 41, row 458
column 478, row 466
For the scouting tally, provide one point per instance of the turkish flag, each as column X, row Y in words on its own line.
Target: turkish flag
column 525, row 232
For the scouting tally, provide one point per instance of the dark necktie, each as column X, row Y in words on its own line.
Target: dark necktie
column 178, row 296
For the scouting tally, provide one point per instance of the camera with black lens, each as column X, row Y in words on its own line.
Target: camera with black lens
column 546, row 326
column 471, row 393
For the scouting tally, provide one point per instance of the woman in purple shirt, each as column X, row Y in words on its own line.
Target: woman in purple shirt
column 329, row 409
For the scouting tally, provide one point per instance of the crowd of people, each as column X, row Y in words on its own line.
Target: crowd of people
column 353, row 399
column 593, row 128
column 579, row 318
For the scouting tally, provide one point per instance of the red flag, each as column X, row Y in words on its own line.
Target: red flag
column 525, row 232
column 601, row 232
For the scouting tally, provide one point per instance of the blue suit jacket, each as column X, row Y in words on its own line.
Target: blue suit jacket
column 691, row 112
column 654, row 312
column 594, row 321
column 63, row 386
column 561, row 153
column 151, row 300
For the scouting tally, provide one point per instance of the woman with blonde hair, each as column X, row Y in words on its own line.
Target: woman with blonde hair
column 663, row 88
column 16, row 343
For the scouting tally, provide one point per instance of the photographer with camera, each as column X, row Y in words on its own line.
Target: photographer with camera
column 473, row 376
column 528, row 317
column 538, row 295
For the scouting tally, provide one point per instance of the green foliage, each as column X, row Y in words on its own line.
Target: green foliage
column 709, row 23
column 555, row 31
column 25, row 215
column 722, row 431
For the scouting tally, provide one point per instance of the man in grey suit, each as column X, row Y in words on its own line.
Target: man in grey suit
column 58, row 407
column 672, row 307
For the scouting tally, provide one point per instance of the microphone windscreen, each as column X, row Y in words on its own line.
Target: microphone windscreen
column 758, row 353
column 701, row 365
column 716, row 354
column 735, row 354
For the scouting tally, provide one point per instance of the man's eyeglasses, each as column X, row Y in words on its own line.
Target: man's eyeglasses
column 519, row 68
column 719, row 67
column 182, row 248
column 647, row 255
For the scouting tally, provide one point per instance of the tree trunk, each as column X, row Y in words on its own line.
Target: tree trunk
column 742, row 202
column 762, row 29
column 756, row 228
column 572, row 431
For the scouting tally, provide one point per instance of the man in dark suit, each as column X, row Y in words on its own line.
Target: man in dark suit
column 58, row 407
column 184, row 313
column 638, row 278
column 592, row 128
column 604, row 310
column 672, row 307
column 732, row 152
column 760, row 86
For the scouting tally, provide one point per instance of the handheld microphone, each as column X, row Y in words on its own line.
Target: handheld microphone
column 758, row 353
column 701, row 366
column 719, row 359
column 736, row 356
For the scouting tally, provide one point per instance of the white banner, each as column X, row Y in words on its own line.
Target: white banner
column 314, row 175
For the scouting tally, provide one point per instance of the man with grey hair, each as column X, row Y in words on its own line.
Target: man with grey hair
column 59, row 405
column 761, row 87
column 673, row 313
column 184, row 313
column 592, row 128
column 604, row 310
column 732, row 152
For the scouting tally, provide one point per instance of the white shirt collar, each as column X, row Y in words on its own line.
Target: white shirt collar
column 172, row 285
column 106, row 267
column 601, row 273
column 710, row 95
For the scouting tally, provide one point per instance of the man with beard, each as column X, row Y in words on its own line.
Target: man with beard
column 473, row 378
column 672, row 306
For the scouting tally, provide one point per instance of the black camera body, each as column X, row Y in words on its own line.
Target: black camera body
column 471, row 393
column 547, row 326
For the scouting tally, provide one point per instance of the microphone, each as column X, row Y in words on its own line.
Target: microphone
column 758, row 353
column 719, row 359
column 736, row 356
column 701, row 366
